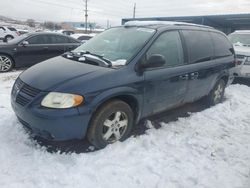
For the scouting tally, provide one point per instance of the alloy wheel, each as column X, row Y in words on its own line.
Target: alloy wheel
column 5, row 63
column 115, row 126
column 218, row 93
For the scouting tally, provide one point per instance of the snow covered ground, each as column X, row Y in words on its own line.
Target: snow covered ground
column 208, row 149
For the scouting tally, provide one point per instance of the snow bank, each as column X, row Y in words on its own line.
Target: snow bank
column 209, row 149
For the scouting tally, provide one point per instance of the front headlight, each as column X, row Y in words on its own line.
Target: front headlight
column 61, row 100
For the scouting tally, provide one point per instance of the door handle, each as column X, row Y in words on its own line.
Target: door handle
column 46, row 48
column 184, row 77
column 194, row 75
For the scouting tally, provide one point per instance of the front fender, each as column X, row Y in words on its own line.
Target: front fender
column 116, row 92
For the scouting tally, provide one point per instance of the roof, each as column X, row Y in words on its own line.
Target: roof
column 46, row 33
column 242, row 31
column 161, row 23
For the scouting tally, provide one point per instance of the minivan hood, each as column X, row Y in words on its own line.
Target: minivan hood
column 56, row 71
column 242, row 50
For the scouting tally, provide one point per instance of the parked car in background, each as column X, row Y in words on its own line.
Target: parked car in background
column 29, row 49
column 103, row 88
column 8, row 33
column 241, row 42
column 65, row 32
column 83, row 37
column 22, row 31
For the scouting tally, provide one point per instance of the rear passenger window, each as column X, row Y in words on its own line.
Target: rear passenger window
column 199, row 45
column 58, row 39
column 169, row 45
column 222, row 46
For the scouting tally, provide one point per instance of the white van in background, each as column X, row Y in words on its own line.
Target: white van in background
column 241, row 42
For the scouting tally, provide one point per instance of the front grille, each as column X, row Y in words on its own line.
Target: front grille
column 24, row 93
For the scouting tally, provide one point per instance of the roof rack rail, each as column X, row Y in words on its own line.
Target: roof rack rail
column 150, row 23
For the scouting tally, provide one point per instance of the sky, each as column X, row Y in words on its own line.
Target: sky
column 112, row 11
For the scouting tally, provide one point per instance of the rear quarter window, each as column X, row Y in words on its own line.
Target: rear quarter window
column 71, row 40
column 222, row 45
column 199, row 45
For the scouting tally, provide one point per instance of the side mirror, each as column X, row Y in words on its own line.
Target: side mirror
column 25, row 43
column 155, row 60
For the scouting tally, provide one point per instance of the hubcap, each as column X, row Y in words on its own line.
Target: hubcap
column 5, row 63
column 218, row 93
column 9, row 38
column 115, row 126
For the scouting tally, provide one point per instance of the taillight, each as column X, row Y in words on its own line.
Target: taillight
column 237, row 62
column 17, row 33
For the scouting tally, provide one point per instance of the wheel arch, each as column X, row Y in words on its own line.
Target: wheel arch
column 129, row 96
column 223, row 75
column 8, row 35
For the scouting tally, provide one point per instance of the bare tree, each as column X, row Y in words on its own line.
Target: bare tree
column 31, row 22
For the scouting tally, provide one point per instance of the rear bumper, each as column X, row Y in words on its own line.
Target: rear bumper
column 243, row 71
column 52, row 124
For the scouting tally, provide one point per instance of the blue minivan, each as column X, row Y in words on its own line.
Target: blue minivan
column 103, row 88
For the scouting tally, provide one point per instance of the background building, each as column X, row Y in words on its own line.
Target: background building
column 226, row 23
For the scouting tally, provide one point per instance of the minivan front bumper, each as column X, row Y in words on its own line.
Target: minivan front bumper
column 50, row 124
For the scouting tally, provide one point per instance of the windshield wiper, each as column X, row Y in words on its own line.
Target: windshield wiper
column 102, row 58
column 87, row 56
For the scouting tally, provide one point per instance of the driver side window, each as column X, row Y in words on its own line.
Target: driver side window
column 168, row 45
column 40, row 39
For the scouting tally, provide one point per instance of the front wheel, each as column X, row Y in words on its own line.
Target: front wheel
column 6, row 63
column 217, row 93
column 112, row 122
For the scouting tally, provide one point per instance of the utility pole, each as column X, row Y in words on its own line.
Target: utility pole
column 107, row 24
column 134, row 10
column 86, row 16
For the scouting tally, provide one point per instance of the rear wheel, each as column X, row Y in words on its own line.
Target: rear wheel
column 217, row 93
column 6, row 63
column 8, row 38
column 112, row 122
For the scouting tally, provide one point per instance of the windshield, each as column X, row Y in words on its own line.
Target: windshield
column 240, row 38
column 118, row 45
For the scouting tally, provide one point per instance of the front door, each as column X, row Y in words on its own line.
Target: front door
column 35, row 51
column 166, row 86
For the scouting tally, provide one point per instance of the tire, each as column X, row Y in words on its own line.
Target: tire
column 8, row 38
column 112, row 122
column 217, row 93
column 6, row 63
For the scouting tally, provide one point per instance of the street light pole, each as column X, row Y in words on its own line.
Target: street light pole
column 86, row 16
